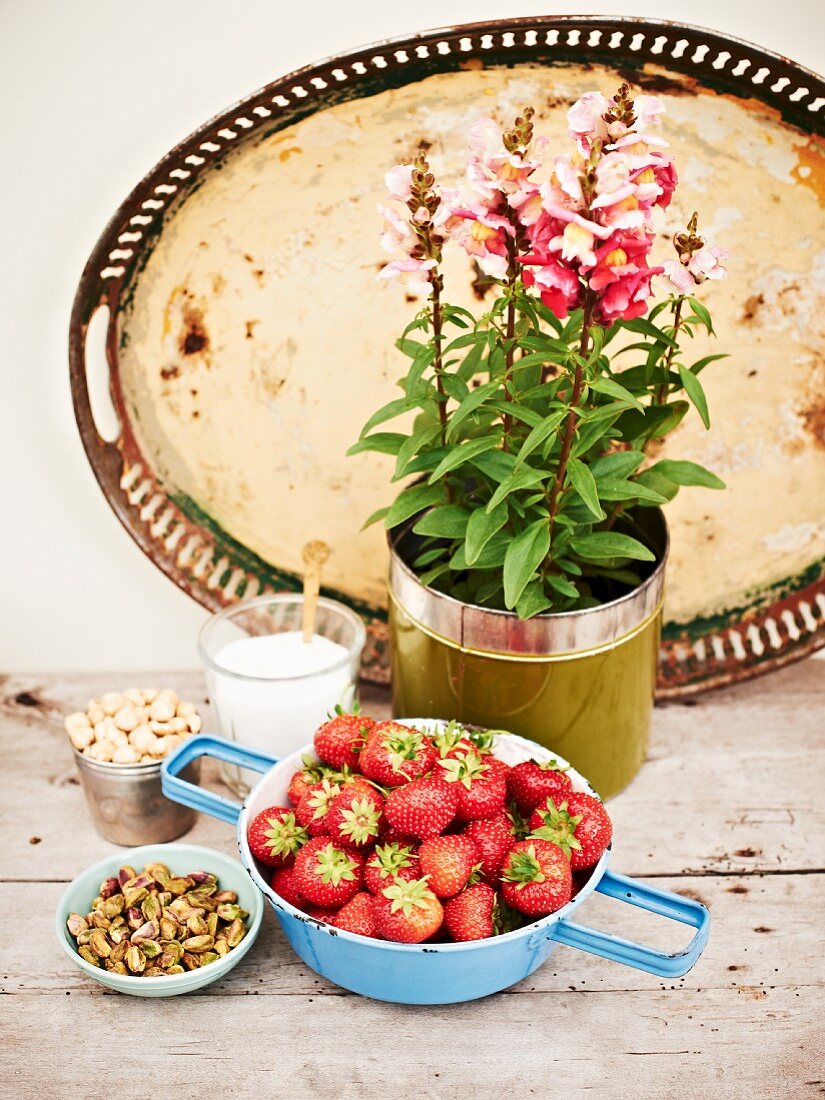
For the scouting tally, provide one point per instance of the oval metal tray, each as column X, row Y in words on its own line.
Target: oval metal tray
column 247, row 336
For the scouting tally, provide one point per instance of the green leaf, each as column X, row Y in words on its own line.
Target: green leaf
column 619, row 489
column 447, row 522
column 419, row 364
column 469, row 405
column 433, row 574
column 547, row 345
column 525, row 478
column 655, row 421
column 693, row 388
column 609, row 544
column 491, row 557
column 412, row 445
column 496, row 465
column 538, row 435
column 658, row 483
column 463, row 453
column 613, row 389
column 379, row 513
column 533, row 600
column 687, row 473
column 411, row 501
column 643, row 325
column 387, row 443
column 481, row 528
column 524, row 555
column 388, row 412
column 700, row 364
column 585, row 485
column 562, row 585
column 702, row 313
column 617, row 464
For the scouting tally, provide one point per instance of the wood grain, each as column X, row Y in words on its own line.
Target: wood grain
column 727, row 810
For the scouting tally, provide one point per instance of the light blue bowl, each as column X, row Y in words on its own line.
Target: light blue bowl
column 180, row 858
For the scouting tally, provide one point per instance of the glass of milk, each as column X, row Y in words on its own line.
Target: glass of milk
column 270, row 689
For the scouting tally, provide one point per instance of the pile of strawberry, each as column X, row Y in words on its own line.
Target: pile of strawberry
column 402, row 835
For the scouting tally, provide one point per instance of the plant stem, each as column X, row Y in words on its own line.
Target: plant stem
column 510, row 330
column 662, row 390
column 438, row 364
column 572, row 413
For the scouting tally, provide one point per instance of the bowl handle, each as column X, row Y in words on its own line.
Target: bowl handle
column 204, row 744
column 633, row 954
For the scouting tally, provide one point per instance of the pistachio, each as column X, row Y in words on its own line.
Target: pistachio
column 86, row 954
column 118, row 952
column 125, row 874
column 147, row 931
column 178, row 886
column 198, row 944
column 135, row 960
column 154, row 972
column 222, row 947
column 236, row 932
column 139, row 880
column 76, row 924
column 99, row 943
column 198, row 926
column 174, row 969
column 134, row 918
column 191, row 962
column 229, row 912
column 200, row 892
column 168, row 928
column 118, row 968
column 164, row 897
column 84, row 937
column 135, row 896
column 113, row 906
column 202, row 877
column 212, row 924
column 98, row 901
column 100, row 920
column 225, row 896
column 108, row 887
column 151, row 908
column 159, row 872
column 209, row 957
column 172, row 954
column 119, row 934
column 118, row 922
column 151, row 948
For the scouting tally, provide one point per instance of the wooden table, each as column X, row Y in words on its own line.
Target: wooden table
column 729, row 809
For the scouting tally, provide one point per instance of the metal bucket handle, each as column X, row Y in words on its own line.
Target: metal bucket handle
column 224, row 809
column 661, row 902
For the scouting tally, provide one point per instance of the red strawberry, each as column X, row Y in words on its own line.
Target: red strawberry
column 395, row 754
column 469, row 915
column 447, row 862
column 536, row 877
column 451, row 740
column 422, row 808
column 530, row 783
column 274, row 836
column 283, row 883
column 497, row 767
column 481, row 790
column 356, row 817
column 388, row 862
column 311, row 772
column 312, row 810
column 328, row 874
column 358, row 916
column 579, row 825
column 493, row 839
column 407, row 912
column 339, row 741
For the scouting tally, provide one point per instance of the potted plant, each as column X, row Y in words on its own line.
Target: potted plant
column 527, row 544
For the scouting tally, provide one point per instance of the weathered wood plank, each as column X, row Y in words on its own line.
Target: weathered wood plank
column 733, row 783
column 721, row 1043
column 765, row 935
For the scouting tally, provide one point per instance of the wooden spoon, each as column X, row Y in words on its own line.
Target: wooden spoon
column 314, row 554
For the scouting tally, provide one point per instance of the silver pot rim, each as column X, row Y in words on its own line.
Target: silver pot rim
column 498, row 634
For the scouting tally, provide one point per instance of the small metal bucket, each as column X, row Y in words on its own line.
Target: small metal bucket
column 128, row 805
column 581, row 682
column 433, row 973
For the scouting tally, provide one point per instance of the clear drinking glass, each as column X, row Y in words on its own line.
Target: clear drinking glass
column 277, row 711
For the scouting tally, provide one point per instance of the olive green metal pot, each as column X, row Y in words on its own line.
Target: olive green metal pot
column 579, row 682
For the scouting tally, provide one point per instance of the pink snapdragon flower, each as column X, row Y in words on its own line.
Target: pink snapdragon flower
column 483, row 235
column 492, row 172
column 557, row 283
column 411, row 227
column 684, row 275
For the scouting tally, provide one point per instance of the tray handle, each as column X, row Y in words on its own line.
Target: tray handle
column 661, row 902
column 204, row 744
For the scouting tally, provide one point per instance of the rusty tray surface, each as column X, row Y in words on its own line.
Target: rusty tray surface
column 247, row 337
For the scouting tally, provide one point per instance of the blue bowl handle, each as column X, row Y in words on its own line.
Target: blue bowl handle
column 178, row 790
column 633, row 954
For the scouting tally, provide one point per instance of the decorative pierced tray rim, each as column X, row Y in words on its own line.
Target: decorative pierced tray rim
column 215, row 569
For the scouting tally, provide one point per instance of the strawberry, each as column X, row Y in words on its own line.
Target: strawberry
column 358, row 916
column 311, row 772
column 317, row 913
column 339, row 741
column 313, row 808
column 274, row 836
column 493, row 839
column 395, row 754
column 530, row 783
column 497, row 767
column 447, row 862
column 469, row 915
column 579, row 825
column 388, row 862
column 407, row 912
column 481, row 789
column 328, row 874
column 283, row 883
column 451, row 740
column 356, row 817
column 422, row 808
column 536, row 877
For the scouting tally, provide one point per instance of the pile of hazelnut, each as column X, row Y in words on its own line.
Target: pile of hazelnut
column 136, row 726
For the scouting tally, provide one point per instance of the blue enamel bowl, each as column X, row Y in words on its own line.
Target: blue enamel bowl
column 180, row 858
column 441, row 973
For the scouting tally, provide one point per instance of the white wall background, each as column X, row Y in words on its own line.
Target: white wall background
column 93, row 93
